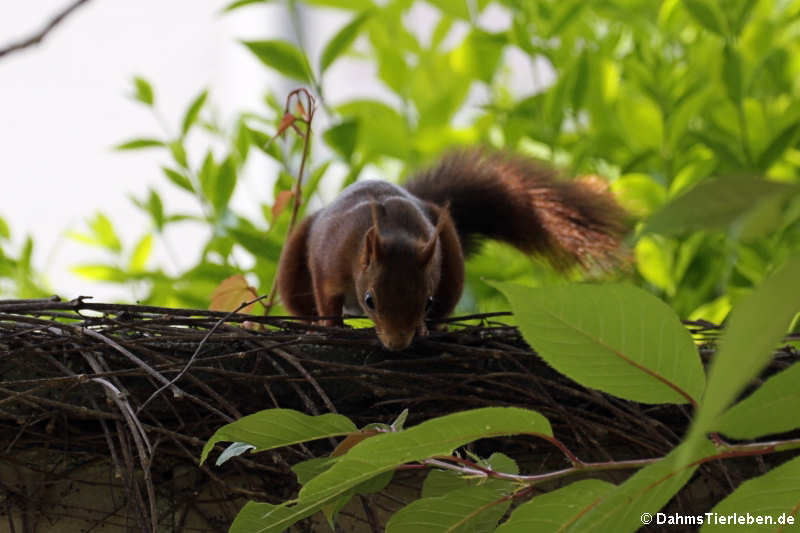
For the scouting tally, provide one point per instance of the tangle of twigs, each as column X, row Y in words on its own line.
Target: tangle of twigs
column 84, row 409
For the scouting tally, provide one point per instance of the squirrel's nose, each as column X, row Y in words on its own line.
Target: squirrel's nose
column 397, row 342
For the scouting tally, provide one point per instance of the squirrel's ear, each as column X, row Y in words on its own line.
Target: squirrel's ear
column 426, row 252
column 371, row 251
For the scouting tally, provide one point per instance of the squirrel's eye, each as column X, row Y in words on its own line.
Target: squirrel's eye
column 429, row 303
column 369, row 301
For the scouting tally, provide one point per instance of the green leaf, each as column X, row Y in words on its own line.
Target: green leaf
column 282, row 56
column 104, row 234
column 755, row 327
column 713, row 204
column 383, row 453
column 647, row 491
column 643, row 123
column 207, row 176
column 225, row 183
column 655, row 261
column 440, row 482
column 241, row 3
column 5, row 232
column 256, row 517
column 567, row 13
column 464, row 510
column 143, row 91
column 343, row 4
column 141, row 253
column 234, row 449
column 732, row 73
column 370, row 486
column 480, row 54
column 432, row 438
column 639, row 194
column 275, row 428
column 707, row 14
column 179, row 153
column 155, row 208
column 138, row 144
column 381, row 129
column 454, row 8
column 774, row 496
column 265, row 144
column 778, row 146
column 555, row 510
column 178, row 179
column 581, row 83
column 342, row 138
column 340, row 42
column 604, row 337
column 772, row 408
column 194, row 109
column 100, row 273
column 311, row 468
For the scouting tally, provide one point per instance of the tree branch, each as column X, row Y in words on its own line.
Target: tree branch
column 41, row 34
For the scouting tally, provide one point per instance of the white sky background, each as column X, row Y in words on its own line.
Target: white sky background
column 64, row 104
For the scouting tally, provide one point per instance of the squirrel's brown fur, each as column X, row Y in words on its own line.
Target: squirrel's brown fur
column 398, row 254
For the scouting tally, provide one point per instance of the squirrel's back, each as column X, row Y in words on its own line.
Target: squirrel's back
column 520, row 201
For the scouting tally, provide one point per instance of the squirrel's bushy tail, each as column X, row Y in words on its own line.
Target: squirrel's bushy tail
column 522, row 202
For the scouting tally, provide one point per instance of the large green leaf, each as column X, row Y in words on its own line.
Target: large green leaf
column 774, row 497
column 713, row 204
column 755, row 327
column 773, row 408
column 383, row 453
column 554, row 511
column 432, row 438
column 282, row 56
column 615, row 338
column 466, row 510
column 274, row 428
column 257, row 517
column 341, row 41
column 627, row 506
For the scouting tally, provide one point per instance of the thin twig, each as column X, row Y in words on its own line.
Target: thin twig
column 39, row 36
column 297, row 193
column 171, row 383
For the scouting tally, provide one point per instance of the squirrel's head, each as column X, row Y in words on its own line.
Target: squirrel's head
column 398, row 278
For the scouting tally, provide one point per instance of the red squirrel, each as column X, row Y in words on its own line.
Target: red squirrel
column 397, row 253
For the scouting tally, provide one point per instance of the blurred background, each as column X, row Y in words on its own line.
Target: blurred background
column 137, row 162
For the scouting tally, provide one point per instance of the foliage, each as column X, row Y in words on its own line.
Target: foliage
column 17, row 275
column 582, row 329
column 691, row 108
column 660, row 97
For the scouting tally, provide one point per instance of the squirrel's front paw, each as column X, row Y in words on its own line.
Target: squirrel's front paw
column 422, row 330
column 330, row 323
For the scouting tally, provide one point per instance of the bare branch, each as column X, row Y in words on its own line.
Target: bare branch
column 38, row 37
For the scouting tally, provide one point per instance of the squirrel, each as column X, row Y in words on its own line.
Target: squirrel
column 397, row 253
